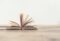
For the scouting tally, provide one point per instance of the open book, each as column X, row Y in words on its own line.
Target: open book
column 24, row 21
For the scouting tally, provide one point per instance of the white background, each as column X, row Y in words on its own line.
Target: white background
column 43, row 12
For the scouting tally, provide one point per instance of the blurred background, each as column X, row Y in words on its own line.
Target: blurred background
column 43, row 12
